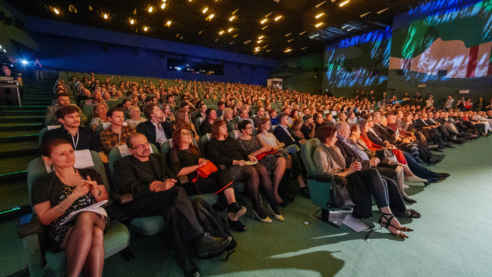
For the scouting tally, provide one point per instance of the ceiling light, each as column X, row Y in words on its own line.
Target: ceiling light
column 288, row 34
column 259, row 41
column 169, row 23
column 210, row 17
column 290, row 40
column 105, row 16
column 287, row 50
column 232, row 18
column 344, row 3
column 264, row 27
column 150, row 9
column 319, row 24
column 319, row 15
column 257, row 49
column 364, row 14
column 205, row 10
column 278, row 17
column 313, row 36
column 235, row 35
column 146, row 28
column 163, row 5
column 132, row 21
column 247, row 42
column 190, row 1
column 235, row 11
column 56, row 11
column 221, row 32
column 230, row 30
column 320, row 4
column 383, row 10
column 263, row 21
column 302, row 33
column 261, row 36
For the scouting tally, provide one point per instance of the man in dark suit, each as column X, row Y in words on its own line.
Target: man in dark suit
column 156, row 129
column 145, row 186
column 282, row 132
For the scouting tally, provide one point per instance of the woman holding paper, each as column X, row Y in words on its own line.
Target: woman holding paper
column 57, row 197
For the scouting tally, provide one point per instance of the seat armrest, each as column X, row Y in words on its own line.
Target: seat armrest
column 322, row 177
column 29, row 225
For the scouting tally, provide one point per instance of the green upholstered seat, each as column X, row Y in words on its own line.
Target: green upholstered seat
column 47, row 263
column 319, row 186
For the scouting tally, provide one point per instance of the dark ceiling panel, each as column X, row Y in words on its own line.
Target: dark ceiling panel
column 294, row 26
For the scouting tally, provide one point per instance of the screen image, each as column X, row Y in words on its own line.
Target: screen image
column 451, row 46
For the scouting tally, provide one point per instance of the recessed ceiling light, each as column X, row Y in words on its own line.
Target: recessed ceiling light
column 319, row 24
column 320, row 4
column 288, row 34
column 163, row 5
column 302, row 33
column 230, row 30
column 150, row 9
column 132, row 21
column 146, row 28
column 56, row 11
column 105, row 16
column 263, row 21
column 232, row 18
column 344, row 3
column 319, row 15
column 210, row 17
column 365, row 14
column 169, row 23
column 383, row 10
column 290, row 40
column 221, row 32
column 278, row 17
column 247, row 42
column 287, row 50
column 205, row 10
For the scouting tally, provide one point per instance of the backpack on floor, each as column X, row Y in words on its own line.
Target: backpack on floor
column 215, row 224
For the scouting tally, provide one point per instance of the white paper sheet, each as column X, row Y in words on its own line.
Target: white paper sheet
column 83, row 159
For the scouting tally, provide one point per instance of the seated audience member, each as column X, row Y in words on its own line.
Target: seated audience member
column 271, row 162
column 206, row 126
column 100, row 119
column 297, row 131
column 62, row 100
column 156, row 129
column 183, row 121
column 308, row 129
column 66, row 190
column 135, row 117
column 361, row 184
column 186, row 160
column 228, row 117
column 282, row 132
column 226, row 153
column 116, row 134
column 81, row 137
column 146, row 187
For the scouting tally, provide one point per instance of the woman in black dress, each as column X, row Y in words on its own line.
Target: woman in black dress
column 186, row 160
column 62, row 192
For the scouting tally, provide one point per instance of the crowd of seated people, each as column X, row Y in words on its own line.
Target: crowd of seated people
column 252, row 135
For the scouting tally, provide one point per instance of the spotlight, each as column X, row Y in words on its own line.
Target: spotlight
column 150, row 9
column 163, row 5
column 205, row 10
column 169, row 23
column 132, row 21
column 56, row 11
column 105, row 16
column 232, row 18
column 278, row 17
column 24, row 62
column 319, row 24
column 287, row 50
column 230, row 30
column 221, row 32
column 263, row 21
column 319, row 15
column 210, row 17
column 145, row 28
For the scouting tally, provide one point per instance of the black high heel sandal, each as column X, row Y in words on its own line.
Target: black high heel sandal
column 388, row 218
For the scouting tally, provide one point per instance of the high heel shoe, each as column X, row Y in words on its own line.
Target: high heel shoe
column 388, row 225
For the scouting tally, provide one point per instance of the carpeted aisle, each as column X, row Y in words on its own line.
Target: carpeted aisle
column 451, row 239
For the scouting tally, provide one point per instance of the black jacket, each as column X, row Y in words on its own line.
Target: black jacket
column 132, row 178
column 148, row 129
column 282, row 136
column 87, row 138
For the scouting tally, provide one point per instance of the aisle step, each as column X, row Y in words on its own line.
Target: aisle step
column 18, row 148
column 20, row 138
column 23, row 112
column 22, row 118
column 15, row 164
column 21, row 126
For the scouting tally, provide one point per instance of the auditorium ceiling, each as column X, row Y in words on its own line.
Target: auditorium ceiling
column 269, row 28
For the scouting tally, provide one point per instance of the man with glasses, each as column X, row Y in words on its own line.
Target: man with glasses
column 145, row 187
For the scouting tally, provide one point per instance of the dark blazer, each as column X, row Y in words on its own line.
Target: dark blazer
column 148, row 129
column 283, row 137
column 130, row 178
column 350, row 155
column 376, row 139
